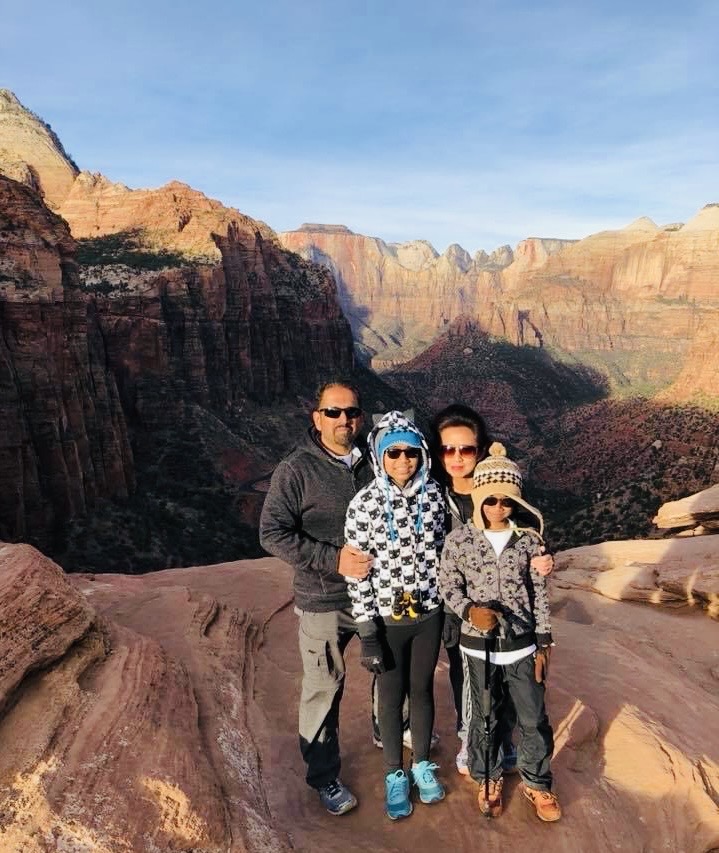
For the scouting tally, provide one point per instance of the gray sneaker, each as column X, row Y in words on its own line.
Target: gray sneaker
column 336, row 798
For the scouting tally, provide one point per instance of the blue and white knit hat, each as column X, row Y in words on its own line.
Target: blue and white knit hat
column 390, row 438
column 391, row 429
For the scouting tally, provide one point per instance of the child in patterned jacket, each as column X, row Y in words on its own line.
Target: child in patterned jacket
column 487, row 579
column 399, row 519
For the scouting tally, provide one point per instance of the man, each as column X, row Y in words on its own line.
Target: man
column 302, row 523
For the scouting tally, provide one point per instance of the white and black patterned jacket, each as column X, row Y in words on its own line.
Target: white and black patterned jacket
column 402, row 528
column 472, row 574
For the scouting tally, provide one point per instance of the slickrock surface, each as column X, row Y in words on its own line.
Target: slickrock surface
column 158, row 713
column 671, row 572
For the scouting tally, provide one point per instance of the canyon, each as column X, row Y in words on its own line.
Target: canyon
column 158, row 353
column 180, row 312
column 631, row 302
column 160, row 350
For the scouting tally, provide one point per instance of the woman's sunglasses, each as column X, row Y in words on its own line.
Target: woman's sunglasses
column 352, row 412
column 409, row 452
column 508, row 503
column 466, row 451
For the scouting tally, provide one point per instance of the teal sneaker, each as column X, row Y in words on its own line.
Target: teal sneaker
column 429, row 789
column 396, row 795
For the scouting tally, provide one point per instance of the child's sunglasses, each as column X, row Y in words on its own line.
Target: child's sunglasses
column 409, row 452
column 508, row 503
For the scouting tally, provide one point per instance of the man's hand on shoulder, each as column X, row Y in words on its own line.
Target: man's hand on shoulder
column 354, row 563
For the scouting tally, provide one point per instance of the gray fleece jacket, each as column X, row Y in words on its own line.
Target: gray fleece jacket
column 303, row 520
column 470, row 573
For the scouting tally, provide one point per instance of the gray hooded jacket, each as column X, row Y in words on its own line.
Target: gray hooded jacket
column 302, row 521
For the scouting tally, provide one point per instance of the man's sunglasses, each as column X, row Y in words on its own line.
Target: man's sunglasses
column 352, row 412
column 508, row 503
column 466, row 451
column 409, row 452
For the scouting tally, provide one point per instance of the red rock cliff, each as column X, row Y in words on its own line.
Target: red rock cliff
column 63, row 435
column 87, row 351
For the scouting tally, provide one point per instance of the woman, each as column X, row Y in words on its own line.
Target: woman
column 459, row 441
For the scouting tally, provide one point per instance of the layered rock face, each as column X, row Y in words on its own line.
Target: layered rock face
column 63, row 434
column 159, row 713
column 256, row 322
column 630, row 300
column 179, row 312
column 87, row 351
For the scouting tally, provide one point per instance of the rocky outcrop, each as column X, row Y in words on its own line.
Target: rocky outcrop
column 172, row 219
column 699, row 513
column 63, row 435
column 667, row 572
column 31, row 153
column 159, row 713
column 698, row 379
column 118, row 739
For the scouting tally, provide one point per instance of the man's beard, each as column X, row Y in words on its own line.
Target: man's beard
column 343, row 437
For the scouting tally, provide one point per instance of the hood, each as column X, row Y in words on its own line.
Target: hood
column 397, row 422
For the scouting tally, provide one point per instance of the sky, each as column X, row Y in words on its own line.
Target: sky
column 479, row 123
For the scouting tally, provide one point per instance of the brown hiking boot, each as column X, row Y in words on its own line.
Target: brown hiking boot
column 545, row 803
column 493, row 806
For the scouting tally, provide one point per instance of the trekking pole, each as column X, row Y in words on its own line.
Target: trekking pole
column 487, row 710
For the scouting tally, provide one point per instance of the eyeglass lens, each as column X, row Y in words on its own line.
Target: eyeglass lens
column 505, row 502
column 334, row 412
column 409, row 452
column 464, row 450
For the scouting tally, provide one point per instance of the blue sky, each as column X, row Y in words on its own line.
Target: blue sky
column 479, row 123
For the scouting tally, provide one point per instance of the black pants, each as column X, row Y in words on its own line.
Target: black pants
column 411, row 655
column 536, row 741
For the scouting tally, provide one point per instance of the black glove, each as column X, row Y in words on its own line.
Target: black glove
column 451, row 630
column 372, row 654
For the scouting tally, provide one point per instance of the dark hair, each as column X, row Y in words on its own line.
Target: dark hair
column 342, row 383
column 456, row 415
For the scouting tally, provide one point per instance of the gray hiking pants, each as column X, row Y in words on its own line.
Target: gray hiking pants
column 323, row 640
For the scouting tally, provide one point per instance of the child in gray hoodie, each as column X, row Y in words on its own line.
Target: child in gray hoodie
column 487, row 579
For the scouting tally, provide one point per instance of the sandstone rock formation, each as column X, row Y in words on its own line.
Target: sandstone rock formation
column 63, row 434
column 630, row 302
column 31, row 153
column 158, row 713
column 698, row 510
column 398, row 296
column 669, row 572
column 180, row 304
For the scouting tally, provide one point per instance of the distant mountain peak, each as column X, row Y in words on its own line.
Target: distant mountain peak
column 31, row 151
column 324, row 229
column 643, row 223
